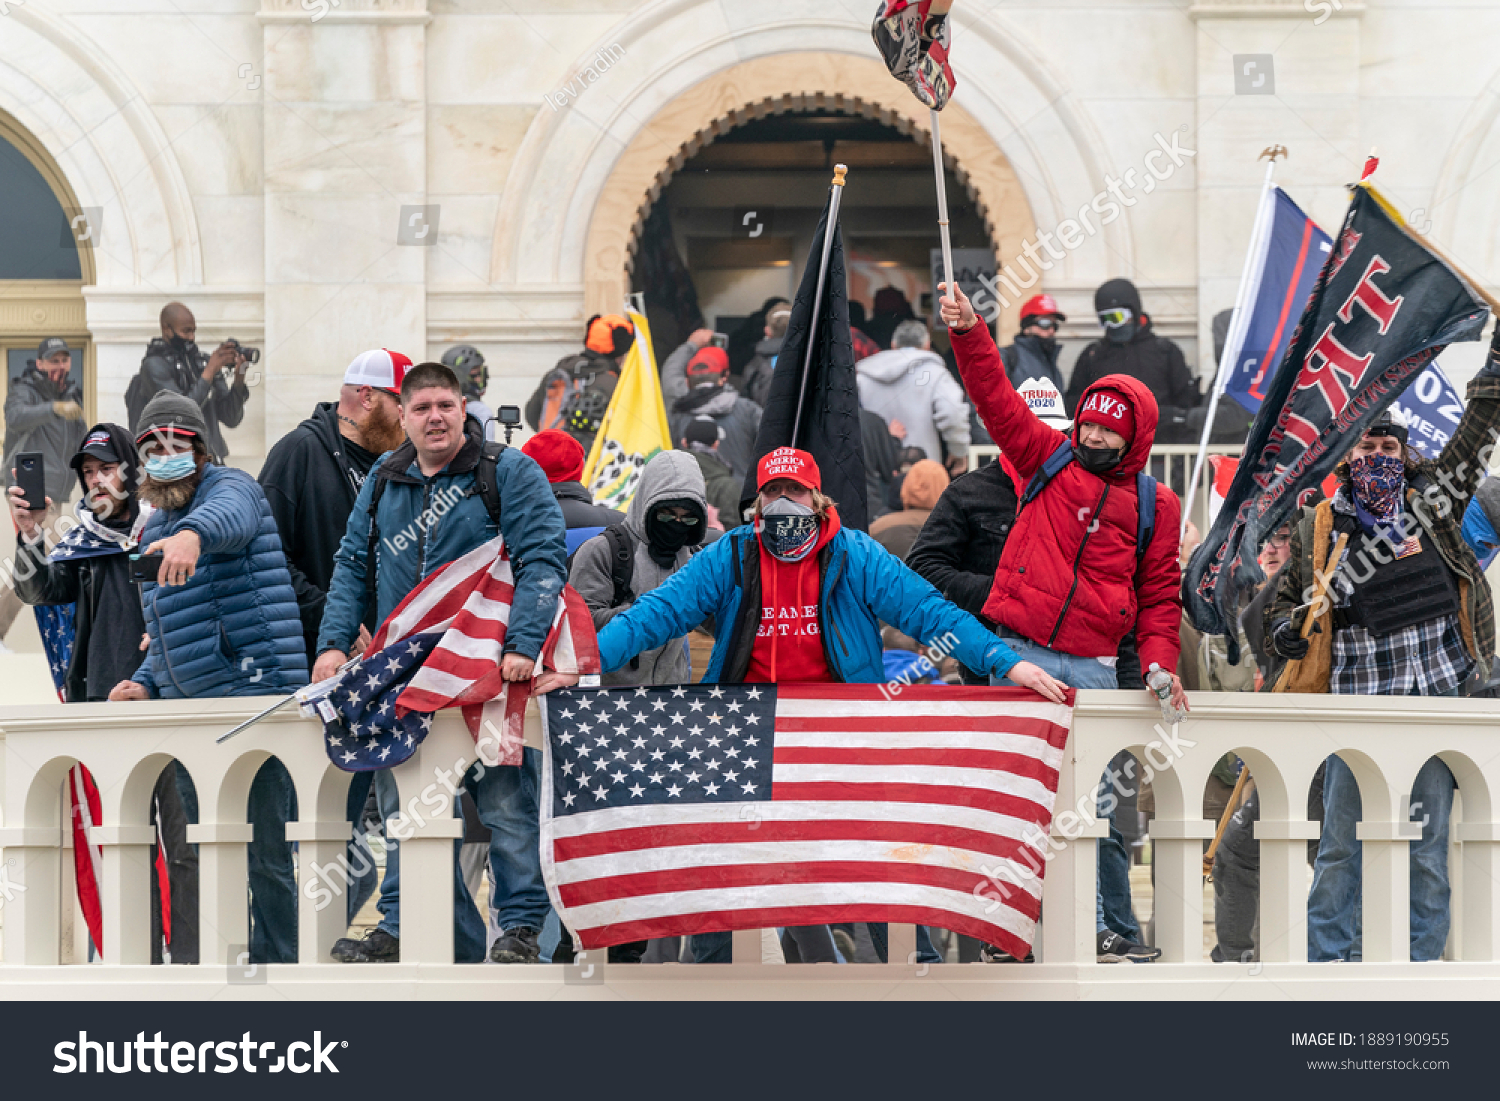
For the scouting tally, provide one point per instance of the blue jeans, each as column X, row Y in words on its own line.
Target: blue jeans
column 1334, row 904
column 1112, row 909
column 273, row 881
column 507, row 800
column 715, row 947
column 362, row 876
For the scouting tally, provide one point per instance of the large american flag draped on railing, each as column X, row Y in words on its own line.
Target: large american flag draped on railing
column 697, row 808
column 442, row 647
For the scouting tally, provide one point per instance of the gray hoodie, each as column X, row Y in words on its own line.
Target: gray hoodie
column 670, row 476
column 911, row 385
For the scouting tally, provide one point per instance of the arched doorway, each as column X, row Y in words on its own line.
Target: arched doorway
column 42, row 268
column 734, row 210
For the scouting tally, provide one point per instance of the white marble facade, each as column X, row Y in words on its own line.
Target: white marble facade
column 253, row 157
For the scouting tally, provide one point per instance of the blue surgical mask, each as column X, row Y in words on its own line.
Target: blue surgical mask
column 171, row 468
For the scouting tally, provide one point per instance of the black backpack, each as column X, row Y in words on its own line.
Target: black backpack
column 137, row 394
column 484, row 474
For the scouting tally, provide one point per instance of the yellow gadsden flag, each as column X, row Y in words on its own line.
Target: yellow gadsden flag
column 634, row 426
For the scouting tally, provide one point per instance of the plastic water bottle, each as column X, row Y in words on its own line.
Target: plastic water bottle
column 1160, row 683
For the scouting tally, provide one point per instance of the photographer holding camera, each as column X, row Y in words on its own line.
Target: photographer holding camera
column 174, row 363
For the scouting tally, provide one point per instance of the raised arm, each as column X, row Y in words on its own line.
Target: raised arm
column 1024, row 439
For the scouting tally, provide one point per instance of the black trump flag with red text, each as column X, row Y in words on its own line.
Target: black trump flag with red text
column 1384, row 306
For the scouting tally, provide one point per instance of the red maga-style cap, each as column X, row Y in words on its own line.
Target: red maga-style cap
column 790, row 463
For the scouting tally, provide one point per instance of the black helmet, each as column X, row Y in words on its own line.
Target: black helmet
column 467, row 363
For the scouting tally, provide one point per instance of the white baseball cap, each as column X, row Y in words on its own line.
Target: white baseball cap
column 381, row 368
column 1044, row 399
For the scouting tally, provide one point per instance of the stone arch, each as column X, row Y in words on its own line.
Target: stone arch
column 1377, row 799
column 1466, row 219
column 583, row 171
column 1276, row 801
column 1478, row 800
column 108, row 145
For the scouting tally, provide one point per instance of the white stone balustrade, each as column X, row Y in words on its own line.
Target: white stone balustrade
column 1283, row 739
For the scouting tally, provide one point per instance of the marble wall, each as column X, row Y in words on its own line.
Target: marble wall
column 254, row 159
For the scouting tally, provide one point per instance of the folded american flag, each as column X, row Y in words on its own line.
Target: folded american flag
column 697, row 808
column 442, row 647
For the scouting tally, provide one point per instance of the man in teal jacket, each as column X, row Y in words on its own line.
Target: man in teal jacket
column 430, row 513
column 798, row 597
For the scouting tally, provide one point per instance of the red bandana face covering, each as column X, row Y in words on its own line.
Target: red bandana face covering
column 1378, row 481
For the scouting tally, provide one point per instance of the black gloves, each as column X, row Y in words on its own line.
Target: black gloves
column 1288, row 642
column 1286, row 634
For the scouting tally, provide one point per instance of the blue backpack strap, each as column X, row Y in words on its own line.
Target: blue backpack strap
column 1145, row 492
column 1145, row 522
column 1055, row 462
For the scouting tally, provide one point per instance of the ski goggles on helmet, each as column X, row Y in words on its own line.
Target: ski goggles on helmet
column 1113, row 319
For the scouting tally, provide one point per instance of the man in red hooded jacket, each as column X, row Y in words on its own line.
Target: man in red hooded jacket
column 1070, row 584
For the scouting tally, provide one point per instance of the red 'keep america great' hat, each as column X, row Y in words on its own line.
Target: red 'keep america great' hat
column 790, row 463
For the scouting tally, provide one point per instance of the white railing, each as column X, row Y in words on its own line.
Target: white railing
column 1171, row 464
column 1283, row 738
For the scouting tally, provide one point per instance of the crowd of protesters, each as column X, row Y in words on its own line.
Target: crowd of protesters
column 1056, row 566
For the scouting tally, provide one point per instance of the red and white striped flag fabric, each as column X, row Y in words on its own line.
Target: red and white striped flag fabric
column 88, row 856
column 701, row 808
column 442, row 647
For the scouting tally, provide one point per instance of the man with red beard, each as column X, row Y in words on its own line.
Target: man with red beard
column 315, row 471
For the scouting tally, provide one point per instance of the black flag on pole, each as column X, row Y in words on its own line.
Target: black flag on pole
column 1383, row 307
column 830, row 413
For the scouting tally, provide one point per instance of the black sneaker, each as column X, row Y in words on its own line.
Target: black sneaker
column 988, row 953
column 516, row 945
column 1114, row 948
column 378, row 946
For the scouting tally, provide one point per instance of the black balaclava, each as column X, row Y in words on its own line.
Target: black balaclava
column 664, row 538
column 1117, row 293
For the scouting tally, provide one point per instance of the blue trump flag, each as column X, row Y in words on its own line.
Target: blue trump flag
column 1284, row 268
column 1288, row 256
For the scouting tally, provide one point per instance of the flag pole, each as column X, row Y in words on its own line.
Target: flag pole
column 839, row 171
column 1234, row 339
column 942, row 197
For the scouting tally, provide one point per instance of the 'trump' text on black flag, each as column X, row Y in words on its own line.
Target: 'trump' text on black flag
column 1384, row 306
column 830, row 413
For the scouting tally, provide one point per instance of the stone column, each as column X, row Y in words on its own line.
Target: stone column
column 1283, row 889
column 1308, row 101
column 125, row 893
column 31, row 891
column 323, row 886
column 345, row 166
column 223, row 907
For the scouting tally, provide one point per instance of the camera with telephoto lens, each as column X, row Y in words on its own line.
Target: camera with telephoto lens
column 252, row 355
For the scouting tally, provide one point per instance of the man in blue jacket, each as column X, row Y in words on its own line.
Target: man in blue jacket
column 798, row 597
column 430, row 512
column 221, row 618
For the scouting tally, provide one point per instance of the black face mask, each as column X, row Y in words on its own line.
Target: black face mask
column 665, row 538
column 1099, row 460
column 183, row 345
column 1048, row 343
column 1121, row 334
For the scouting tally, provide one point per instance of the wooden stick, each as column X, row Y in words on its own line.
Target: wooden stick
column 1324, row 582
